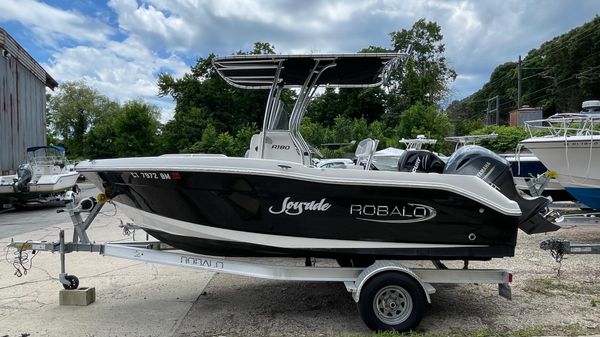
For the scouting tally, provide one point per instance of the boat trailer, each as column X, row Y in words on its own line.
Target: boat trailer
column 389, row 295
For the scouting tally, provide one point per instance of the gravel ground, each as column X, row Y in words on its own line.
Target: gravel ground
column 568, row 304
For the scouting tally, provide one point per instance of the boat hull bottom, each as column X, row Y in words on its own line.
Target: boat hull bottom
column 589, row 196
column 240, row 249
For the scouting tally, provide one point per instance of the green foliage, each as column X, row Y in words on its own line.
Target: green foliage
column 466, row 126
column 185, row 129
column 90, row 125
column 365, row 103
column 242, row 139
column 428, row 120
column 558, row 76
column 418, row 119
column 314, row 133
column 214, row 142
column 426, row 75
column 507, row 140
column 99, row 141
column 206, row 143
column 73, row 110
column 131, row 131
column 136, row 126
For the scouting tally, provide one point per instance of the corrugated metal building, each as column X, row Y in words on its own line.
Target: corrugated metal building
column 23, row 85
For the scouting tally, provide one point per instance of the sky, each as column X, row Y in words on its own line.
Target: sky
column 119, row 47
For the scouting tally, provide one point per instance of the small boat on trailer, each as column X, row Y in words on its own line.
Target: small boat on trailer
column 45, row 177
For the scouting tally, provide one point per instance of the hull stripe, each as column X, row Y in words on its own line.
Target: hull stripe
column 159, row 223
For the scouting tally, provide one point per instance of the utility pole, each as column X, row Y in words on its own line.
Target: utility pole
column 497, row 110
column 519, row 84
column 489, row 111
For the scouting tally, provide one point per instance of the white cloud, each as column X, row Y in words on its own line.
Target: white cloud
column 156, row 28
column 121, row 70
column 52, row 24
column 122, row 57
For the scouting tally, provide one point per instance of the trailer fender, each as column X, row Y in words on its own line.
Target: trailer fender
column 384, row 266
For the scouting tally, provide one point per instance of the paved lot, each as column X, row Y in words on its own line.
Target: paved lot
column 25, row 220
column 133, row 298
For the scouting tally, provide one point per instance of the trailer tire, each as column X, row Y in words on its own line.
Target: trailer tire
column 73, row 282
column 392, row 301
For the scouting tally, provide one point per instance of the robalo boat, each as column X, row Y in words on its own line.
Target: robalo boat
column 275, row 203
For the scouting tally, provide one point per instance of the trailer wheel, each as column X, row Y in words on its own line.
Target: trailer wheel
column 73, row 282
column 392, row 301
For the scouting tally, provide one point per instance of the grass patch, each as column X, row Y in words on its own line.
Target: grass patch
column 595, row 301
column 550, row 286
column 568, row 330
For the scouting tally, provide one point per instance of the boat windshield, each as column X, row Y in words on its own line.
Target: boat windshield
column 46, row 155
column 281, row 118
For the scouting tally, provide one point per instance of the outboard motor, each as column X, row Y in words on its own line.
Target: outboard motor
column 495, row 170
column 24, row 175
column 420, row 161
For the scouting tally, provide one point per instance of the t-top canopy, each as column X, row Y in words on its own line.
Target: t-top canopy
column 344, row 70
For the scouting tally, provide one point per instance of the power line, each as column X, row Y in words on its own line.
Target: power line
column 578, row 37
column 557, row 90
column 592, row 29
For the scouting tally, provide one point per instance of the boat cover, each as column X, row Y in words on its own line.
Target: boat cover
column 35, row 148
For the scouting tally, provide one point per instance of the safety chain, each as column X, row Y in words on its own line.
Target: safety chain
column 557, row 249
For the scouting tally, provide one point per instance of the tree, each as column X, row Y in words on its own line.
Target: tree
column 73, row 110
column 202, row 96
column 184, row 129
column 242, row 139
column 137, row 130
column 507, row 138
column 426, row 75
column 428, row 120
column 557, row 76
column 367, row 103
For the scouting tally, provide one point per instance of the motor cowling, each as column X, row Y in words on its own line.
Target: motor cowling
column 480, row 162
column 24, row 175
column 495, row 170
column 420, row 161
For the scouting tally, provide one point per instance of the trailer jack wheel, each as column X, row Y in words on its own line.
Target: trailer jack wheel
column 392, row 301
column 73, row 282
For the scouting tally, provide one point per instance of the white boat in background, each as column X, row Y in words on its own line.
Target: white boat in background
column 470, row 139
column 569, row 144
column 45, row 176
column 387, row 159
column 334, row 163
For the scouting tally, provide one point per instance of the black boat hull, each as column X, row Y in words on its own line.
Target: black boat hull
column 257, row 215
